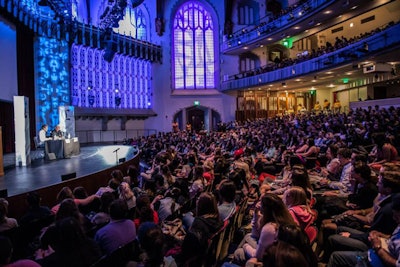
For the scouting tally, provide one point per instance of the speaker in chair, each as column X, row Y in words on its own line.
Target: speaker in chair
column 68, row 176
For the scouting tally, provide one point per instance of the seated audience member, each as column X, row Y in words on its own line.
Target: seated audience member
column 126, row 194
column 70, row 246
column 310, row 151
column 68, row 209
column 344, row 184
column 80, row 192
column 152, row 243
column 282, row 254
column 292, row 239
column 5, row 222
column 384, row 249
column 351, row 239
column 298, row 177
column 205, row 224
column 227, row 193
column 365, row 190
column 145, row 211
column 199, row 182
column 296, row 200
column 168, row 204
column 358, row 202
column 117, row 175
column 35, row 210
column 132, row 176
column 43, row 134
column 271, row 215
column 65, row 193
column 57, row 133
column 119, row 231
column 6, row 250
column 103, row 216
column 383, row 151
column 111, row 187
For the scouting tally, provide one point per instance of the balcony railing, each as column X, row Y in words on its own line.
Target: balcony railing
column 80, row 33
column 264, row 29
column 377, row 43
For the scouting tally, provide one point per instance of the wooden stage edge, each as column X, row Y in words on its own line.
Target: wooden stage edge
column 91, row 182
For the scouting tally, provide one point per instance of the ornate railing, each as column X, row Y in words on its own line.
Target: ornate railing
column 79, row 33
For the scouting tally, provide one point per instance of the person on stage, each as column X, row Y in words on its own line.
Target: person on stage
column 57, row 133
column 43, row 134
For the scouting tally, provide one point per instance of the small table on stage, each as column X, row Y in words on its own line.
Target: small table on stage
column 61, row 148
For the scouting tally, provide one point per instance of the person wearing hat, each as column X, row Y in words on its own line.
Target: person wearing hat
column 239, row 163
column 384, row 249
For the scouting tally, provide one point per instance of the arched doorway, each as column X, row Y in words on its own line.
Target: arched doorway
column 200, row 117
column 196, row 117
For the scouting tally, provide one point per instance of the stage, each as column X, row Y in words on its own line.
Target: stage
column 41, row 173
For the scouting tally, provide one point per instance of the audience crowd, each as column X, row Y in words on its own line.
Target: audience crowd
column 302, row 189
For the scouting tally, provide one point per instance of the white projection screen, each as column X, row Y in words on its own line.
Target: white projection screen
column 8, row 61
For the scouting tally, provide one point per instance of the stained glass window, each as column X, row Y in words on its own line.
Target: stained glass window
column 193, row 47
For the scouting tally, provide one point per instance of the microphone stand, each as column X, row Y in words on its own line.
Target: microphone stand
column 116, row 155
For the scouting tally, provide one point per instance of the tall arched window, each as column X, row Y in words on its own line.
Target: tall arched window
column 193, row 46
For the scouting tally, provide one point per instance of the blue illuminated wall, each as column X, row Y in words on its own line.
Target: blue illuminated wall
column 125, row 83
column 52, row 80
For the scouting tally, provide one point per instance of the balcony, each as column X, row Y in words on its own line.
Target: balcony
column 384, row 41
column 267, row 28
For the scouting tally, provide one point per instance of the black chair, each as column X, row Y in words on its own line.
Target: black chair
column 3, row 193
column 68, row 176
column 16, row 237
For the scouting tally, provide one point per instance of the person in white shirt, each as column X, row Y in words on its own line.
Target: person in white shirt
column 42, row 134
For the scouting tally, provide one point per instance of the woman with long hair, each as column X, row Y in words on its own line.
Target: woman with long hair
column 296, row 200
column 205, row 224
column 274, row 213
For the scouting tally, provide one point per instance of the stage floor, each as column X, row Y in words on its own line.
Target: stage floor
column 41, row 173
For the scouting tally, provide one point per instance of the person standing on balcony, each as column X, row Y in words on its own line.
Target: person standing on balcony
column 337, row 106
column 327, row 105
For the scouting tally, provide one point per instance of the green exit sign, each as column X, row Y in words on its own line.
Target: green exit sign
column 196, row 103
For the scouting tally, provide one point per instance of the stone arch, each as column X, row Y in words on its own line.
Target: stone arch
column 201, row 118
